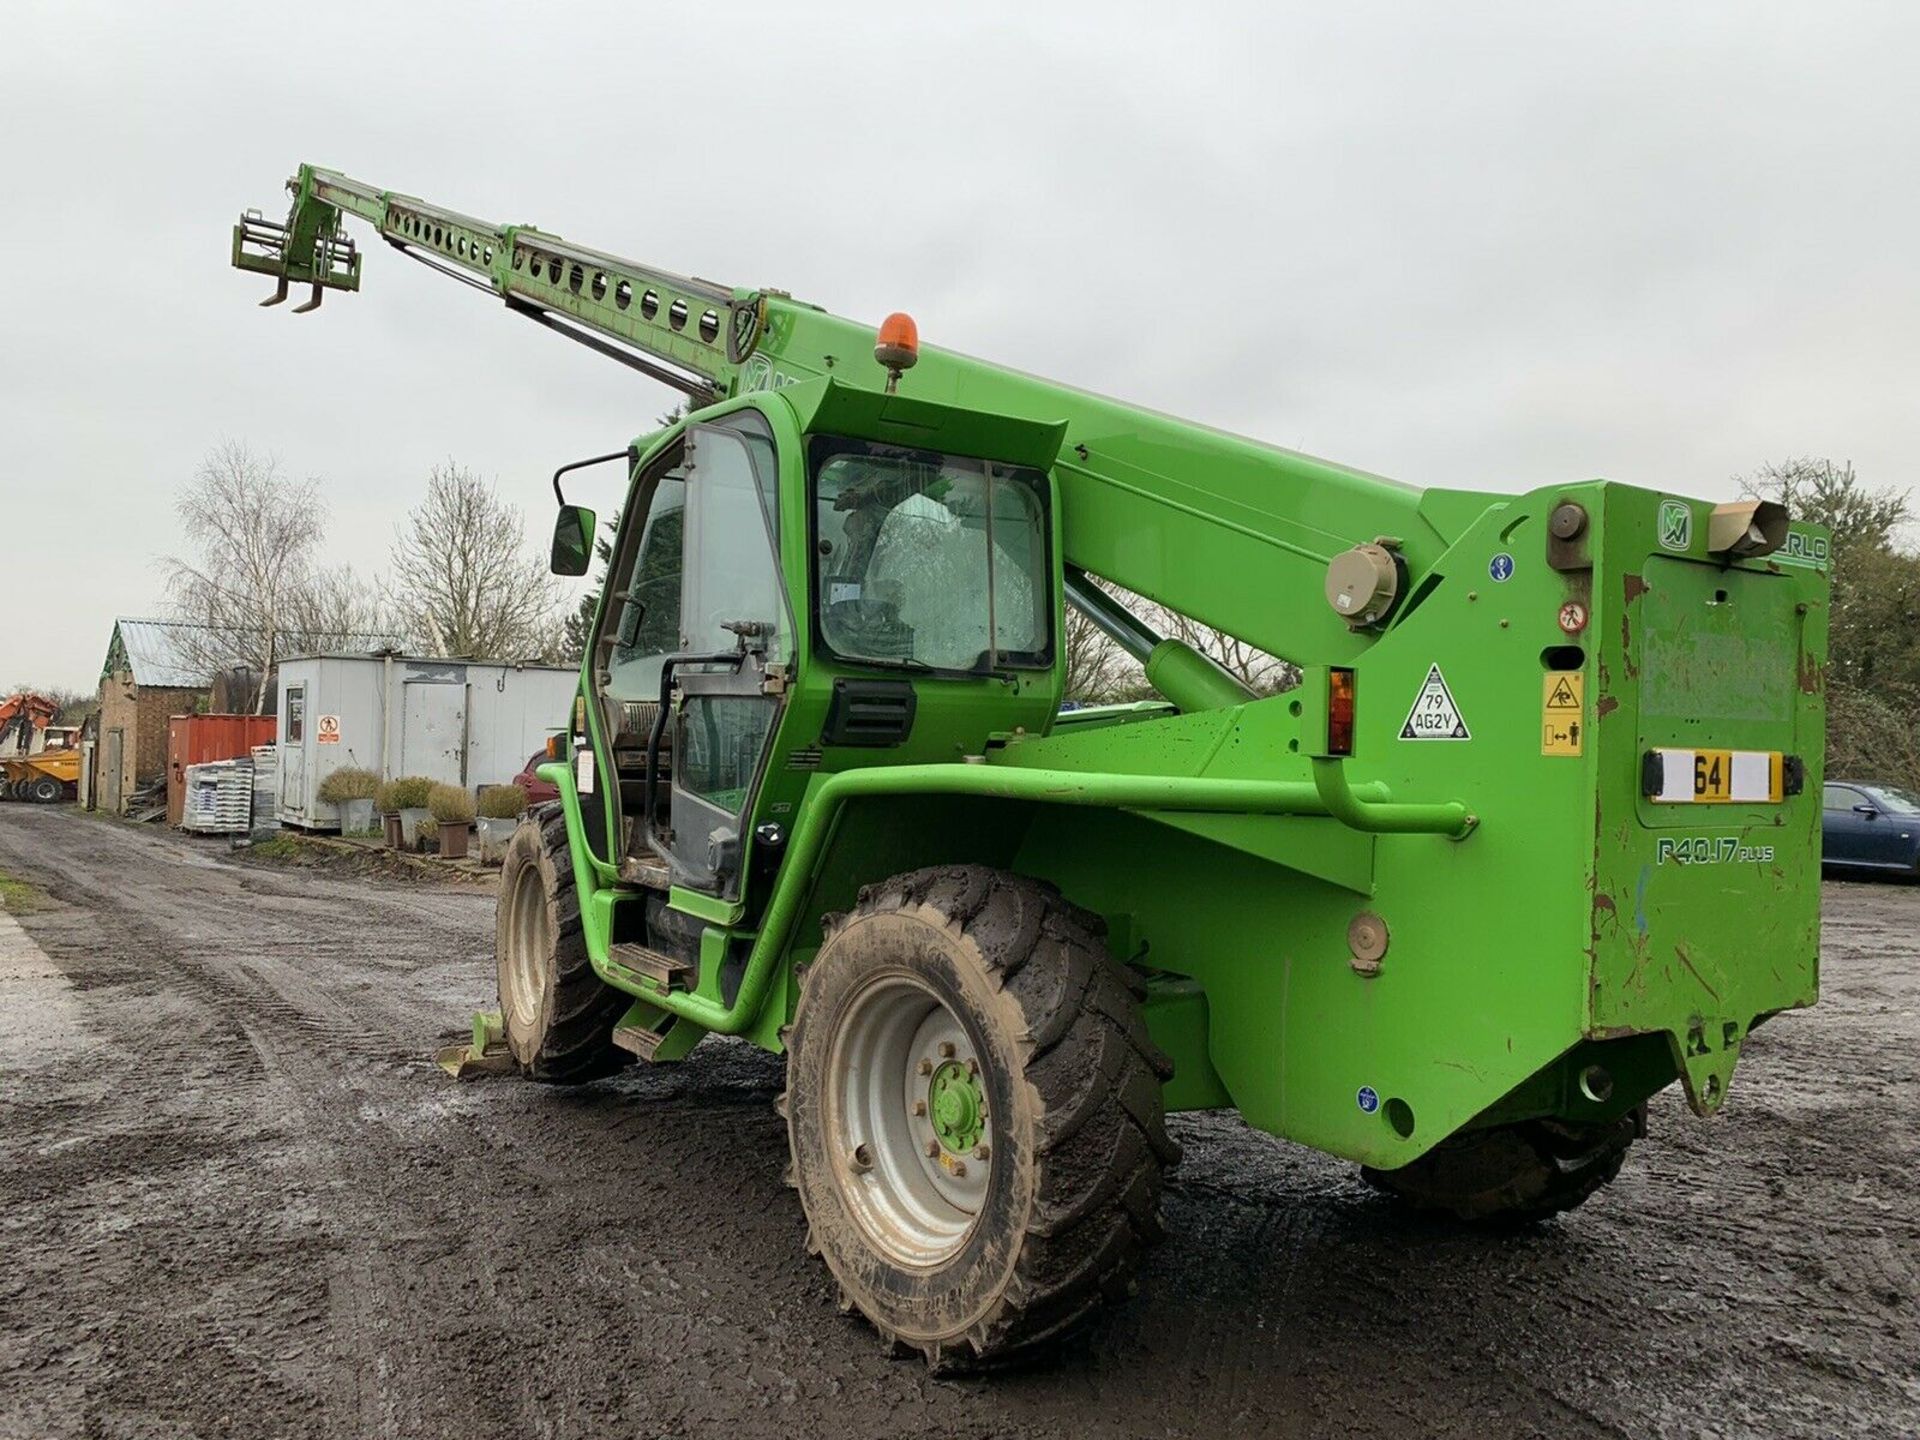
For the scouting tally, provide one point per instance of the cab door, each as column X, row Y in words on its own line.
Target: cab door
column 733, row 612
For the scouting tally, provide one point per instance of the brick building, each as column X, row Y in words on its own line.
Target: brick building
column 150, row 673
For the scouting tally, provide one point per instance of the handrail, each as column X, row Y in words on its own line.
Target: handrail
column 1381, row 816
column 1365, row 807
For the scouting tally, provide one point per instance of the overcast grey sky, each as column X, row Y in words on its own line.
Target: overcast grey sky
column 1490, row 246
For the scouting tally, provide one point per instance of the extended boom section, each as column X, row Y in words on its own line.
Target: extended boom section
column 1535, row 836
column 684, row 332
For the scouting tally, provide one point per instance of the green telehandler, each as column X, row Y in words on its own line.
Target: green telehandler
column 1535, row 836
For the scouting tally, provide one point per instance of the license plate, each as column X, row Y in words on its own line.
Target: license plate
column 1715, row 777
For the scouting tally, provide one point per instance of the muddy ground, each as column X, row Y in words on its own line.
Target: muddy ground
column 237, row 1200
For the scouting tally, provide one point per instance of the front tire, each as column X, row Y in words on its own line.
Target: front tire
column 975, row 1114
column 46, row 790
column 558, row 1014
column 1514, row 1174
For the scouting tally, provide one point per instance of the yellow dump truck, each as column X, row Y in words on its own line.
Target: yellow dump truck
column 50, row 775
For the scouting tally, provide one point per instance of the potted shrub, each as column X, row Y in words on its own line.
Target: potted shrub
column 452, row 810
column 351, row 790
column 404, row 803
column 387, row 801
column 500, row 809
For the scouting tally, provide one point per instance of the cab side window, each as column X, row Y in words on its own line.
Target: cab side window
column 649, row 614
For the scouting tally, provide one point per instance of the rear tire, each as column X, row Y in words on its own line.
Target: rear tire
column 975, row 1114
column 46, row 790
column 557, row 1013
column 1513, row 1174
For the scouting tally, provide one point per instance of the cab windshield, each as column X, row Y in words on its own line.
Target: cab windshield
column 930, row 561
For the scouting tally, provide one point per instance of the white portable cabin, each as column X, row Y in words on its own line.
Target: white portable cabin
column 466, row 722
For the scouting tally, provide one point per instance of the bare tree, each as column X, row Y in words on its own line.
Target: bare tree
column 1860, row 516
column 253, row 533
column 337, row 604
column 463, row 578
column 1098, row 671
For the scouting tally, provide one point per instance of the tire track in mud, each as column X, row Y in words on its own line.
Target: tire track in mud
column 305, row 1046
column 308, row 1044
column 243, row 1203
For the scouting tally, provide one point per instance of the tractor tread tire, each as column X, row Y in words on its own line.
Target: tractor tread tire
column 1513, row 1175
column 1099, row 1144
column 571, row 1041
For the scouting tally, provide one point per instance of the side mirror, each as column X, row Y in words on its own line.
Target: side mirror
column 1866, row 810
column 572, row 549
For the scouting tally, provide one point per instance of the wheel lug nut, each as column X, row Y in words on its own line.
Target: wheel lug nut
column 946, row 1049
column 973, row 1066
column 919, row 1107
column 981, row 1152
column 933, row 1149
column 926, row 1067
column 959, row 1169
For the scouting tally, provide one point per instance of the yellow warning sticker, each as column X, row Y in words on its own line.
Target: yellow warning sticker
column 1563, row 712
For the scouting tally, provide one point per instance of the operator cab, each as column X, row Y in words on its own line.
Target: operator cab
column 926, row 589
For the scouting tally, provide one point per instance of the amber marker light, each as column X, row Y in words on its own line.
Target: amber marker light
column 1339, row 711
column 897, row 346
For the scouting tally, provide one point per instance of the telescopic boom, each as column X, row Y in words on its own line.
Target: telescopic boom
column 1223, row 511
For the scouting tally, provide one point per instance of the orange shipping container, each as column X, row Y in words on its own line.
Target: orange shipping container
column 196, row 739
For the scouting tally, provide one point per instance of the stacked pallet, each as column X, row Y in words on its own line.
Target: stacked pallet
column 266, row 787
column 219, row 798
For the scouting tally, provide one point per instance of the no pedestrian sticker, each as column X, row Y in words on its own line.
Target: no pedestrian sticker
column 327, row 730
column 1434, row 715
column 1562, row 708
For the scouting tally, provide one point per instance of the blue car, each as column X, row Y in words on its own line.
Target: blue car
column 1870, row 827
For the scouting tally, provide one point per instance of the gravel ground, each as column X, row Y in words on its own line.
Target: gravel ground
column 236, row 1199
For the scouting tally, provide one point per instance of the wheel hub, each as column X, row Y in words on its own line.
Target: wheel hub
column 955, row 1103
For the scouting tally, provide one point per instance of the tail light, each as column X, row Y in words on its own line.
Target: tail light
column 1339, row 711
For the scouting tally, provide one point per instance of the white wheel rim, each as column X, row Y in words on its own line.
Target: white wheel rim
column 529, row 938
column 916, row 1196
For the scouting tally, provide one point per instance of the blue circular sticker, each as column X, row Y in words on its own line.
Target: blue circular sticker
column 1368, row 1099
column 1501, row 566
